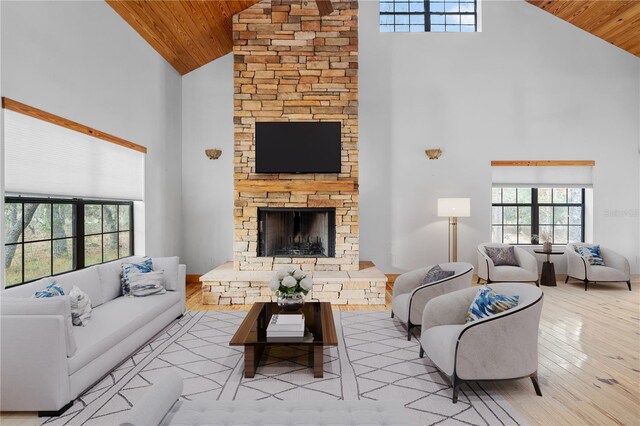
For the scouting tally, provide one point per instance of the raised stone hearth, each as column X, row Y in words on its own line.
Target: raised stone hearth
column 226, row 286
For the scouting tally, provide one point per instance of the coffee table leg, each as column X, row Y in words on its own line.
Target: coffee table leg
column 318, row 361
column 251, row 359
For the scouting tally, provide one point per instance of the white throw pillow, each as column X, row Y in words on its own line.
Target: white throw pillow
column 80, row 306
column 147, row 283
column 170, row 267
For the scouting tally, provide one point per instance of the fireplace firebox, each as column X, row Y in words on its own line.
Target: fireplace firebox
column 291, row 232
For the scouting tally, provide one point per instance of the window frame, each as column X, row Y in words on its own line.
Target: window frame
column 535, row 215
column 78, row 234
column 427, row 15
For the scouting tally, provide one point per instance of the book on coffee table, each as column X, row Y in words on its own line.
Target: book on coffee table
column 286, row 325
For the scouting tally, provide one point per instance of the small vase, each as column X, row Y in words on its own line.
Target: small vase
column 546, row 247
column 291, row 302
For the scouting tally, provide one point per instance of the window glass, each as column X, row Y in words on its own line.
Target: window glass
column 41, row 235
column 536, row 215
column 428, row 15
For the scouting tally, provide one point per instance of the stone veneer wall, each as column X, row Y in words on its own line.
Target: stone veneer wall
column 292, row 65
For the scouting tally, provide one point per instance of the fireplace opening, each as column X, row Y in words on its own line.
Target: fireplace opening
column 296, row 232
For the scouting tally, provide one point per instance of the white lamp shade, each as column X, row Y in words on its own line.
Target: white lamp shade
column 454, row 207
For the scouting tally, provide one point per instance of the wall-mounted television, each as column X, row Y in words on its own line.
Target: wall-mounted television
column 298, row 147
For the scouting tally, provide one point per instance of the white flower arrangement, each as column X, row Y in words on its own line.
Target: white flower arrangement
column 291, row 280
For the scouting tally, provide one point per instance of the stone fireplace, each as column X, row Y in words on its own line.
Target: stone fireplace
column 296, row 232
column 292, row 65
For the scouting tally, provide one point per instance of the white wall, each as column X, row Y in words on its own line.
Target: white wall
column 530, row 86
column 82, row 61
column 207, row 185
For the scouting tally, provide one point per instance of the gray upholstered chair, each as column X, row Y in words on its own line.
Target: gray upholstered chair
column 615, row 269
column 527, row 271
column 410, row 295
column 499, row 347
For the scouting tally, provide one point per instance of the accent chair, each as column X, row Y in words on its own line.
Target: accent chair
column 503, row 346
column 410, row 295
column 526, row 271
column 615, row 269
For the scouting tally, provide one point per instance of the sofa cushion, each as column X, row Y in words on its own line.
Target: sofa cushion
column 26, row 290
column 440, row 345
column 512, row 273
column 87, row 280
column 110, row 277
column 113, row 322
column 170, row 267
column 606, row 273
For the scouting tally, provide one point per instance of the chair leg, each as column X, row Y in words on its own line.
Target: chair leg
column 456, row 386
column 537, row 283
column 566, row 280
column 585, row 284
column 409, row 332
column 536, row 386
column 392, row 314
column 421, row 352
column 629, row 285
column 478, row 282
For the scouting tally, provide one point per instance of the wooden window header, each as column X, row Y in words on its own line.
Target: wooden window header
column 21, row 108
column 543, row 163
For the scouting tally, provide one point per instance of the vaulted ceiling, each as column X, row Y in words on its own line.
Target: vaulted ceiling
column 192, row 33
column 188, row 34
column 616, row 21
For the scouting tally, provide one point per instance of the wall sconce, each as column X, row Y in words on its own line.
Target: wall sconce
column 433, row 154
column 213, row 154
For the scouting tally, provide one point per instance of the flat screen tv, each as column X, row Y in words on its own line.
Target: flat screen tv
column 298, row 147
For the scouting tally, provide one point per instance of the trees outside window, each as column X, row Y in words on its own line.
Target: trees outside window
column 44, row 237
column 537, row 215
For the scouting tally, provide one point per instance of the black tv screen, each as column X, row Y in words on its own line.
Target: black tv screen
column 298, row 147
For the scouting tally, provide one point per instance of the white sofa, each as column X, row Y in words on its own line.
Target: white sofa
column 526, row 271
column 45, row 362
column 160, row 406
column 615, row 269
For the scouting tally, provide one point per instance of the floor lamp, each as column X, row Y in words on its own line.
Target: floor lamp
column 453, row 208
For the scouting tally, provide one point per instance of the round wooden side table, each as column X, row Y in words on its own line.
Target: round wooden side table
column 548, row 276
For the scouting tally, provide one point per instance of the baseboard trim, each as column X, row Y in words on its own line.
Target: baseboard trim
column 193, row 278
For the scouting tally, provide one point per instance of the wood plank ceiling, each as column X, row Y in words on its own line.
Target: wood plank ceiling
column 188, row 34
column 615, row 21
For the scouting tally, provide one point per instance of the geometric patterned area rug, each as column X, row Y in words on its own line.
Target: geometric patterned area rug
column 373, row 361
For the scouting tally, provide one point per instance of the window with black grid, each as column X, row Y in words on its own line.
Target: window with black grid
column 428, row 16
column 537, row 215
column 48, row 236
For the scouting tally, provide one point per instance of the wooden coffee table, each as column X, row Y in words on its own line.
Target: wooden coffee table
column 252, row 334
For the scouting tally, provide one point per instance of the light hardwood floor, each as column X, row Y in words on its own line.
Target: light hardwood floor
column 589, row 354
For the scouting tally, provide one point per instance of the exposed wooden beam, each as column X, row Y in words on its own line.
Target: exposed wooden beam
column 21, row 108
column 539, row 163
column 324, row 7
column 295, row 185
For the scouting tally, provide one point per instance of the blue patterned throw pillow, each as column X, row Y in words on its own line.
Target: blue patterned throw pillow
column 591, row 253
column 133, row 268
column 52, row 290
column 487, row 302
